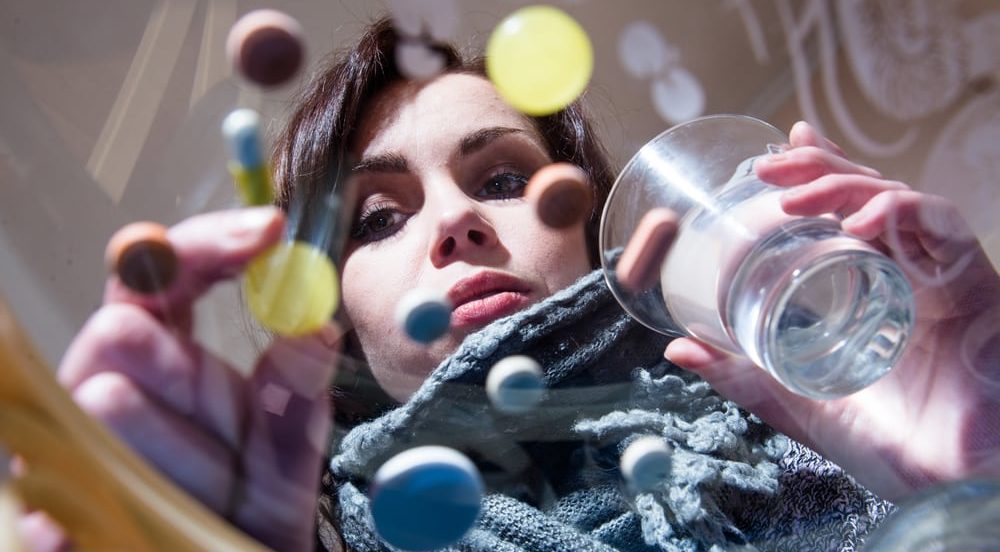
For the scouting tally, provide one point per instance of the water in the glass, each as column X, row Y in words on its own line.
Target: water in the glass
column 823, row 312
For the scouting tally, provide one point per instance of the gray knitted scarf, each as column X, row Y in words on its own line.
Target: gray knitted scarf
column 552, row 475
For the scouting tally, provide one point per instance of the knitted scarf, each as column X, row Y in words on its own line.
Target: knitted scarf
column 552, row 476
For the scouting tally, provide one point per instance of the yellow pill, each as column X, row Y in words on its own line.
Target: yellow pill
column 540, row 59
column 292, row 288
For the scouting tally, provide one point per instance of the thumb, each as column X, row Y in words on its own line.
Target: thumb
column 746, row 384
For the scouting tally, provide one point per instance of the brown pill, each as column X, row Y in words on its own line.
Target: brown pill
column 561, row 195
column 142, row 257
column 266, row 47
column 639, row 266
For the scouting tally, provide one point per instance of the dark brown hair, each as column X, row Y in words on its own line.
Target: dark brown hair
column 312, row 154
column 312, row 150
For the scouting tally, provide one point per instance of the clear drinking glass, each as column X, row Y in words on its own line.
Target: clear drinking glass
column 825, row 313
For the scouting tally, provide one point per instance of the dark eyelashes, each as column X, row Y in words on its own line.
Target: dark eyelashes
column 370, row 226
column 382, row 219
column 504, row 185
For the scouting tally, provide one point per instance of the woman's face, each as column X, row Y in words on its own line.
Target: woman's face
column 443, row 166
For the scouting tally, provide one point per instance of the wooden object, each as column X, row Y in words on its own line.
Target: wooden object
column 102, row 494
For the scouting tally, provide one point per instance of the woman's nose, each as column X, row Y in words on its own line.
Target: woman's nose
column 462, row 231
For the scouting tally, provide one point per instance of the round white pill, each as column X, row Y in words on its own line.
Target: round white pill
column 417, row 60
column 678, row 96
column 515, row 384
column 646, row 463
column 643, row 51
column 424, row 314
column 426, row 498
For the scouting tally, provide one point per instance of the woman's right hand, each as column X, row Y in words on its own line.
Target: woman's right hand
column 250, row 448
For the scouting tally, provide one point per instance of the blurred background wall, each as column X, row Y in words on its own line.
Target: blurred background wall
column 110, row 111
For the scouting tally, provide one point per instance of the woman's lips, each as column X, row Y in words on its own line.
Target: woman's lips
column 486, row 296
column 489, row 308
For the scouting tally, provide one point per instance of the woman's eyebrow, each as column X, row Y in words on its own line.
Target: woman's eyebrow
column 479, row 139
column 386, row 162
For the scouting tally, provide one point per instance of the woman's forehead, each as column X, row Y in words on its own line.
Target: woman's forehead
column 452, row 105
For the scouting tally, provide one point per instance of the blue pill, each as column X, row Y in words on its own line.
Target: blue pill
column 515, row 384
column 426, row 498
column 424, row 315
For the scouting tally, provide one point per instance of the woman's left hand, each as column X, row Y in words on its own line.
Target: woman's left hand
column 936, row 416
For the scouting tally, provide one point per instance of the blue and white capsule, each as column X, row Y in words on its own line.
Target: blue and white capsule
column 241, row 130
column 424, row 315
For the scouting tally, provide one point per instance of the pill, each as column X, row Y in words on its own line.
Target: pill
column 241, row 131
column 561, row 195
column 643, row 51
column 266, row 47
column 646, row 463
column 425, row 498
column 417, row 60
column 540, row 59
column 142, row 257
column 424, row 314
column 639, row 266
column 292, row 288
column 515, row 385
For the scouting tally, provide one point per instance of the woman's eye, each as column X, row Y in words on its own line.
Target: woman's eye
column 504, row 186
column 377, row 224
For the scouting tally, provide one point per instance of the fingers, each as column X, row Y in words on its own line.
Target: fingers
column 805, row 164
column 194, row 460
column 939, row 228
column 804, row 134
column 127, row 340
column 287, row 438
column 41, row 533
column 843, row 194
column 209, row 248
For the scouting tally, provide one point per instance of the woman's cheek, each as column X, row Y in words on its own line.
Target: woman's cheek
column 561, row 256
column 366, row 293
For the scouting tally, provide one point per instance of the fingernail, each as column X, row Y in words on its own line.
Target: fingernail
column 255, row 218
column 774, row 158
column 802, row 126
column 853, row 219
column 247, row 228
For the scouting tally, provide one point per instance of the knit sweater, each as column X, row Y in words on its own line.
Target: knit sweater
column 552, row 476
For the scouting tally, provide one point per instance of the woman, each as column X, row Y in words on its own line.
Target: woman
column 439, row 167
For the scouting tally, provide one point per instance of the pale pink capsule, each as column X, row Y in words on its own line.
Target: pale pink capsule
column 639, row 266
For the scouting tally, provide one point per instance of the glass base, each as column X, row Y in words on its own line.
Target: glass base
column 823, row 312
